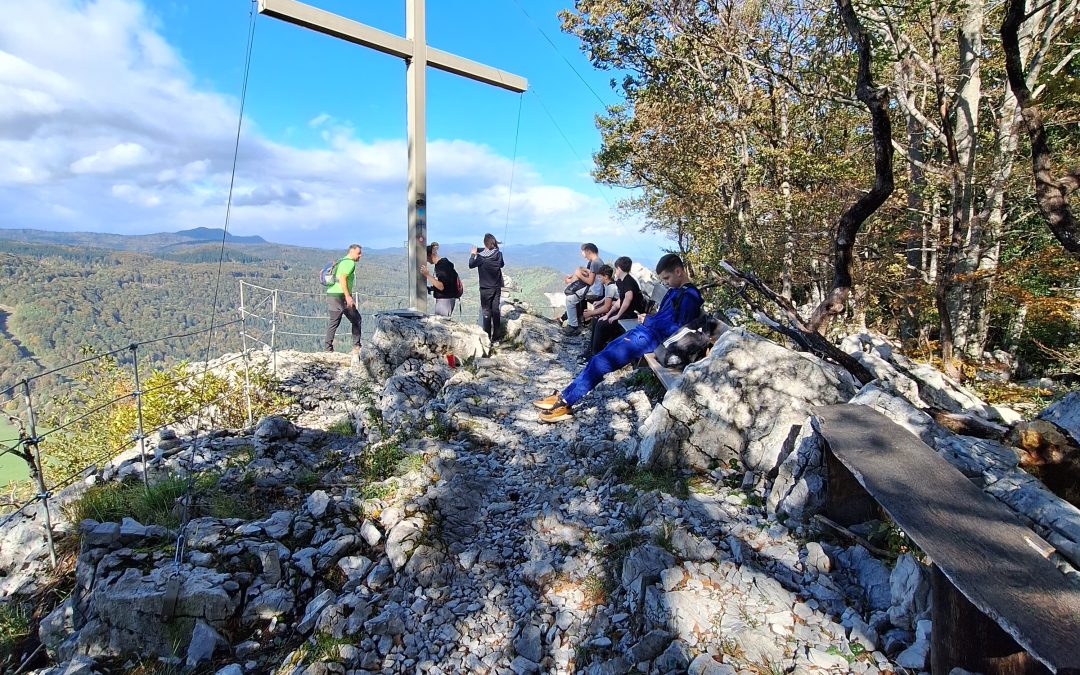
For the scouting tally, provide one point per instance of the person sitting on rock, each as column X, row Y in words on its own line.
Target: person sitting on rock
column 681, row 304
column 583, row 286
column 601, row 308
column 629, row 305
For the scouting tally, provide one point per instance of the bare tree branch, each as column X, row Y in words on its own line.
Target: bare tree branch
column 852, row 219
column 1051, row 194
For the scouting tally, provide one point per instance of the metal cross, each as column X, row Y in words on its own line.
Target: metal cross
column 413, row 48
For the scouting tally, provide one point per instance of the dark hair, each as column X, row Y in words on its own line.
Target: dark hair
column 668, row 263
column 591, row 248
column 431, row 248
column 490, row 241
column 354, row 247
column 606, row 271
column 623, row 263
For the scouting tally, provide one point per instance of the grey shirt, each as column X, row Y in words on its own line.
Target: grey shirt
column 597, row 288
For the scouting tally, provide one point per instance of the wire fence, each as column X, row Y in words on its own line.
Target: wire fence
column 270, row 319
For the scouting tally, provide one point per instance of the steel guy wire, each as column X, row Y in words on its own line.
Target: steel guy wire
column 217, row 286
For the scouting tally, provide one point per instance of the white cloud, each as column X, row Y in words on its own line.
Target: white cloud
column 121, row 156
column 103, row 128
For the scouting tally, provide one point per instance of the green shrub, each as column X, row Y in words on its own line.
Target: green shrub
column 99, row 415
column 157, row 503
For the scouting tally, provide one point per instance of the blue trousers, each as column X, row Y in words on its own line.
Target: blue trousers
column 621, row 351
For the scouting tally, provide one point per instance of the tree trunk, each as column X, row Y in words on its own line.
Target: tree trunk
column 965, row 135
column 915, row 246
column 852, row 219
column 1051, row 193
column 785, row 190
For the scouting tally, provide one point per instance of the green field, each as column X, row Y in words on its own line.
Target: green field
column 11, row 467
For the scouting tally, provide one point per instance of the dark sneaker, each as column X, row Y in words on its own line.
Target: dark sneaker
column 549, row 402
column 330, row 348
column 557, row 414
column 571, row 330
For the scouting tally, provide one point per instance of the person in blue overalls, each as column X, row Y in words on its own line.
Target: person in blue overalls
column 681, row 304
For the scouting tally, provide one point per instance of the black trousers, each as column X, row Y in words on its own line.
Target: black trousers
column 489, row 306
column 336, row 305
column 603, row 332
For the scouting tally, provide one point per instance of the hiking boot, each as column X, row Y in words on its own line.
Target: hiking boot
column 571, row 330
column 549, row 402
column 557, row 414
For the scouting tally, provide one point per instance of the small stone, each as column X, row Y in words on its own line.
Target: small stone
column 370, row 533
column 317, row 503
column 704, row 664
column 204, row 642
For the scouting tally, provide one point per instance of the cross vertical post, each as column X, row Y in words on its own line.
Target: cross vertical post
column 416, row 85
column 418, row 56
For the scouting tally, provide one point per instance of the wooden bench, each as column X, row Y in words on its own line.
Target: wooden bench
column 999, row 604
column 667, row 376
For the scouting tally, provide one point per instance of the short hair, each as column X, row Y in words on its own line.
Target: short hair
column 590, row 247
column 354, row 247
column 432, row 248
column 623, row 263
column 490, row 241
column 669, row 263
column 606, row 271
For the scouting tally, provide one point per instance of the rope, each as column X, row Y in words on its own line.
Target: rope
column 565, row 60
column 513, row 165
column 570, row 145
column 180, row 539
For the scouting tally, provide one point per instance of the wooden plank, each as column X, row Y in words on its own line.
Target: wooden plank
column 977, row 542
column 963, row 636
column 668, row 376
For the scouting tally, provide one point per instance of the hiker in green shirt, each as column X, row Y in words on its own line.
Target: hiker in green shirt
column 339, row 299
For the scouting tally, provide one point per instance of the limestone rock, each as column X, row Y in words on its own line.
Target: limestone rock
column 746, row 400
column 204, row 642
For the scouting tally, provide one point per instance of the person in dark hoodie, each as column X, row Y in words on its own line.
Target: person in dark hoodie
column 489, row 264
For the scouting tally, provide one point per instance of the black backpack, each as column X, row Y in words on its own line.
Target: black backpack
column 452, row 287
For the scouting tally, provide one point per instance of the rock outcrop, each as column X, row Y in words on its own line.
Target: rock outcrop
column 456, row 533
column 745, row 401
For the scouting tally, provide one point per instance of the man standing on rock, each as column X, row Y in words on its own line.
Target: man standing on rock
column 681, row 304
column 488, row 264
column 339, row 299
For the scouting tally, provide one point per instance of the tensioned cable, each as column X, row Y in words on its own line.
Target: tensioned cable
column 217, row 285
column 513, row 165
column 556, row 49
column 543, row 106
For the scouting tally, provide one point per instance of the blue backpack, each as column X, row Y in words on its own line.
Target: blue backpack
column 327, row 276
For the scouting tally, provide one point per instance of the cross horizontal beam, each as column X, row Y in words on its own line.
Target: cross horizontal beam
column 322, row 21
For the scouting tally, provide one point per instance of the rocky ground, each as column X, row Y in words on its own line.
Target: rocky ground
column 500, row 545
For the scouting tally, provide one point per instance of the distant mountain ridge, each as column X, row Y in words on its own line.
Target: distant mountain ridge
column 214, row 234
column 142, row 243
column 561, row 256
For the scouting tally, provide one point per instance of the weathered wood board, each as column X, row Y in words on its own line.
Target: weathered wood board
column 668, row 376
column 981, row 546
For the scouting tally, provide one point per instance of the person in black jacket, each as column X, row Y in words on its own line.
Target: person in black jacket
column 443, row 283
column 489, row 264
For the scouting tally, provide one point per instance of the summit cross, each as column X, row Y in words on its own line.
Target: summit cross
column 418, row 55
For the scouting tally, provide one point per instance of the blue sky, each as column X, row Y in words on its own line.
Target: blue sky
column 123, row 115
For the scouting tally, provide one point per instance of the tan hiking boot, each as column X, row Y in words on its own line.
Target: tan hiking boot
column 548, row 402
column 557, row 414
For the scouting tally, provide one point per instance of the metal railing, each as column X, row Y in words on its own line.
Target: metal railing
column 269, row 319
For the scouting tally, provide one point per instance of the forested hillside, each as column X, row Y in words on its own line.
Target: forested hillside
column 741, row 127
column 57, row 302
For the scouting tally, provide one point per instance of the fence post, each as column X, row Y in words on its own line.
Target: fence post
column 140, row 437
column 247, row 359
column 273, row 328
column 43, row 494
